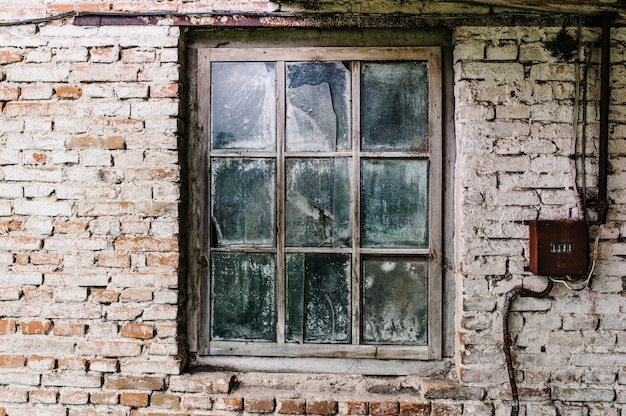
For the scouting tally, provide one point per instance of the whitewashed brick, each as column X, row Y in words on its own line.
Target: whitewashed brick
column 37, row 73
column 39, row 174
column 44, row 208
column 38, row 226
column 96, row 158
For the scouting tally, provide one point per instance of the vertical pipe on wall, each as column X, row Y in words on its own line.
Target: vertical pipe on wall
column 605, row 66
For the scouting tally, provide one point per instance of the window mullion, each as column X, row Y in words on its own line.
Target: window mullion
column 356, row 194
column 280, row 201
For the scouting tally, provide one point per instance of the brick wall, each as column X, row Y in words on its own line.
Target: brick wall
column 90, row 131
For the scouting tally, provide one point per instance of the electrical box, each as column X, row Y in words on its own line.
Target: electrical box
column 559, row 247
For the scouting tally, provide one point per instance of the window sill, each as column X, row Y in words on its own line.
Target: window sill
column 337, row 366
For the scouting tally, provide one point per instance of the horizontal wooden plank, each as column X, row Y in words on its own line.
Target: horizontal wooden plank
column 320, row 54
column 269, row 349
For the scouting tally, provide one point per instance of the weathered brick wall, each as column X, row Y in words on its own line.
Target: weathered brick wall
column 91, row 124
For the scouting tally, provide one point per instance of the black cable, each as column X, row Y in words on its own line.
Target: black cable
column 510, row 296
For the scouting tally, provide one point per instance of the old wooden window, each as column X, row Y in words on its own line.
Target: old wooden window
column 323, row 212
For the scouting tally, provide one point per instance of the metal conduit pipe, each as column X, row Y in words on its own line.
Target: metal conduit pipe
column 510, row 296
column 605, row 96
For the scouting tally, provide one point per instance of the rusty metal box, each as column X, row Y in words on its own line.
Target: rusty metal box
column 559, row 247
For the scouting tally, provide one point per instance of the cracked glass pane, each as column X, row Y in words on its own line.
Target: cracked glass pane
column 243, row 105
column 243, row 305
column 243, row 197
column 318, row 298
column 394, row 106
column 394, row 203
column 317, row 209
column 395, row 302
column 318, row 106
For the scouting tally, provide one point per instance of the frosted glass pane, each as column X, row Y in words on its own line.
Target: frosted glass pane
column 243, row 105
column 318, row 298
column 394, row 106
column 318, row 106
column 394, row 203
column 318, row 203
column 243, row 305
column 395, row 302
column 243, row 202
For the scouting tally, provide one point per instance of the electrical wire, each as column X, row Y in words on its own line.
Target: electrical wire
column 585, row 284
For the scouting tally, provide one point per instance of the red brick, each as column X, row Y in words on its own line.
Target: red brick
column 46, row 258
column 228, row 403
column 446, row 409
column 41, row 362
column 72, row 363
column 104, row 397
column 70, row 226
column 37, row 294
column 132, row 382
column 35, row 327
column 213, row 383
column 12, row 360
column 146, row 243
column 7, row 57
column 104, row 295
column 384, row 408
column 193, row 402
column 113, row 260
column 258, row 405
column 65, row 329
column 414, row 409
column 22, row 259
column 134, row 399
column 137, row 331
column 8, row 326
column 352, row 408
column 68, row 92
column 95, row 142
column 8, row 92
column 291, row 406
column 74, row 397
column 15, row 243
column 162, row 260
column 165, row 400
column 321, row 407
column 164, row 91
column 46, row 396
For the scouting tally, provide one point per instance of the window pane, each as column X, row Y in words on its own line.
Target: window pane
column 243, row 105
column 243, row 202
column 318, row 106
column 243, row 296
column 318, row 203
column 395, row 302
column 394, row 203
column 318, row 298
column 394, row 106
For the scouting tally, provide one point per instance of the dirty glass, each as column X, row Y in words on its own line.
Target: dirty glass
column 394, row 203
column 243, row 296
column 243, row 202
column 318, row 106
column 394, row 106
column 317, row 209
column 243, row 105
column 395, row 301
column 318, row 298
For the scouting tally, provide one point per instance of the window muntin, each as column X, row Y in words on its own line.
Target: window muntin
column 351, row 263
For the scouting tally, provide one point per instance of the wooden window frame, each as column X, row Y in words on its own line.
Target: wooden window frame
column 430, row 54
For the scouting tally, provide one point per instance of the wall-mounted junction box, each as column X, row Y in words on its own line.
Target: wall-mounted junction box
column 559, row 247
